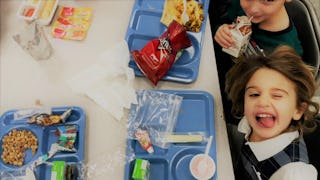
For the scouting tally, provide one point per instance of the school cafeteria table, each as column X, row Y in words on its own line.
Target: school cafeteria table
column 24, row 80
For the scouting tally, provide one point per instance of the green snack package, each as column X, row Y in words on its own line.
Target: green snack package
column 57, row 170
column 141, row 169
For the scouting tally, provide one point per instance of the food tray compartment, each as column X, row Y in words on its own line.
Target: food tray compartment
column 196, row 115
column 47, row 11
column 45, row 169
column 43, row 10
column 145, row 25
column 46, row 136
column 29, row 6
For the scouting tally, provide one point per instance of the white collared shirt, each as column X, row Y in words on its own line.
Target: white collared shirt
column 268, row 148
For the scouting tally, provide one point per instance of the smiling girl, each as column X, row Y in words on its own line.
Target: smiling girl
column 273, row 95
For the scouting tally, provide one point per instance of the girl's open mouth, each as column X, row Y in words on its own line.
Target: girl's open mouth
column 265, row 120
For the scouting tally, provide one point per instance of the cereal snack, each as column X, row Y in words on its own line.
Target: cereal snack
column 14, row 145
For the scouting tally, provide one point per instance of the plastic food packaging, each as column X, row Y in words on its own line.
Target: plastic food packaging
column 48, row 119
column 144, row 140
column 23, row 174
column 157, row 57
column 67, row 137
column 33, row 40
column 241, row 34
column 156, row 112
column 72, row 23
column 29, row 112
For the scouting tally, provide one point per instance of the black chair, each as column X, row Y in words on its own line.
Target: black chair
column 304, row 17
column 312, row 140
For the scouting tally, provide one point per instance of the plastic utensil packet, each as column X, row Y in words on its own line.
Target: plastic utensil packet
column 157, row 56
column 155, row 112
column 33, row 40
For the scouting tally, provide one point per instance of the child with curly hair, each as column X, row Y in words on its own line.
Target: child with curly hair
column 272, row 94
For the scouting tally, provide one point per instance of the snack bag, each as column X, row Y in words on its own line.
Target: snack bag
column 49, row 119
column 241, row 35
column 67, row 137
column 157, row 57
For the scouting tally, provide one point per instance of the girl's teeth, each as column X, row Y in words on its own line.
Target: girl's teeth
column 264, row 115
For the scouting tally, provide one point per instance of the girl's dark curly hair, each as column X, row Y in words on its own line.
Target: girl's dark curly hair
column 283, row 60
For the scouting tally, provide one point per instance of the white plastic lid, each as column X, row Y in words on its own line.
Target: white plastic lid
column 202, row 166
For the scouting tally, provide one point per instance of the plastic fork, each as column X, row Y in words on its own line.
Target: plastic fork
column 184, row 16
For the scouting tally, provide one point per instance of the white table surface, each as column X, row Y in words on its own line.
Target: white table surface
column 24, row 80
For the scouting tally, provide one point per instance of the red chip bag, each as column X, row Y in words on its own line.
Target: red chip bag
column 157, row 57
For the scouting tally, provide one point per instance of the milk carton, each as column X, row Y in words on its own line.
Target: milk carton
column 241, row 35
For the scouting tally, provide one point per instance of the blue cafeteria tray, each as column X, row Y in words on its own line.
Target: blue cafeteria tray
column 145, row 25
column 46, row 136
column 196, row 115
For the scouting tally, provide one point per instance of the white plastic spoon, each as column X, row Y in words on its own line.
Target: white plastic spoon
column 203, row 163
column 208, row 147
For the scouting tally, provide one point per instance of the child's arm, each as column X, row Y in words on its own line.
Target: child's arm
column 222, row 13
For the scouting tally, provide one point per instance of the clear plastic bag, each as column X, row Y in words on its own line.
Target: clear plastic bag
column 29, row 112
column 155, row 112
column 34, row 41
column 14, row 175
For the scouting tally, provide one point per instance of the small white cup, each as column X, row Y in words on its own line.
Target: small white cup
column 202, row 167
